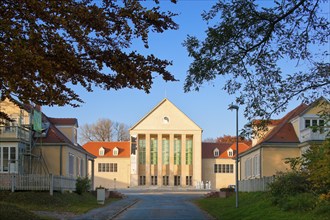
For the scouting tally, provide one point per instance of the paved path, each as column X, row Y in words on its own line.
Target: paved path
column 109, row 211
column 164, row 206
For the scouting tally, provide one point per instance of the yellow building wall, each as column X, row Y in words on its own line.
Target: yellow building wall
column 51, row 156
column 13, row 110
column 243, row 159
column 178, row 125
column 107, row 179
column 273, row 159
column 218, row 180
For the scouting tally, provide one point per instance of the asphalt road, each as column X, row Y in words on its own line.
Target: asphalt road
column 164, row 206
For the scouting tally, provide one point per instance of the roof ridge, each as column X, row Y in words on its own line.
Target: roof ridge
column 293, row 113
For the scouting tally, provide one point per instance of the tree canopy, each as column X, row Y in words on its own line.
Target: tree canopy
column 46, row 47
column 104, row 130
column 248, row 44
column 232, row 139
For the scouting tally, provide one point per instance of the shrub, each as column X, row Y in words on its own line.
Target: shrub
column 227, row 189
column 298, row 202
column 288, row 184
column 82, row 185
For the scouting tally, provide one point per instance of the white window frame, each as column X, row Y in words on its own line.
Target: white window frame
column 71, row 164
column 115, row 151
column 101, row 151
column 216, row 152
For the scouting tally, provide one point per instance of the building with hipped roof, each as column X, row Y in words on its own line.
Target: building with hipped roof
column 112, row 161
column 36, row 144
column 287, row 137
column 219, row 162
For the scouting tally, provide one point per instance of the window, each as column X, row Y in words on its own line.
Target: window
column 216, row 152
column 223, row 168
column 166, row 151
column 142, row 180
column 71, row 164
column 248, row 168
column 142, row 151
column 188, row 180
column 189, row 150
column 107, row 167
column 177, row 181
column 177, row 151
column 82, row 167
column 5, row 154
column 154, row 180
column 78, row 166
column 165, row 181
column 166, row 120
column 230, row 153
column 101, row 151
column 256, row 166
column 314, row 122
column 153, row 150
column 115, row 151
column 8, row 159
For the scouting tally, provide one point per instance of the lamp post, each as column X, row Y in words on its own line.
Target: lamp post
column 232, row 107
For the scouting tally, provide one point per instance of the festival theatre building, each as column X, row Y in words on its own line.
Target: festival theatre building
column 165, row 150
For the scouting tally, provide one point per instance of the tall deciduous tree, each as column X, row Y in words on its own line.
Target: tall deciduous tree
column 102, row 130
column 247, row 44
column 121, row 130
column 47, row 46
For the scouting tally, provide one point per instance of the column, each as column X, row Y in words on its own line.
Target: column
column 159, row 160
column 171, row 176
column 183, row 160
column 148, row 183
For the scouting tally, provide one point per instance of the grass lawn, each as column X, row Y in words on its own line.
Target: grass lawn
column 18, row 205
column 251, row 206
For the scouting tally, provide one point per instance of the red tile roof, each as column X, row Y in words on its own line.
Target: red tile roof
column 207, row 149
column 284, row 131
column 241, row 148
column 93, row 148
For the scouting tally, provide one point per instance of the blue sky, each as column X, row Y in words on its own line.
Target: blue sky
column 207, row 108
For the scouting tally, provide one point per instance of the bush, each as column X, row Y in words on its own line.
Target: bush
column 83, row 185
column 288, row 184
column 227, row 189
column 298, row 202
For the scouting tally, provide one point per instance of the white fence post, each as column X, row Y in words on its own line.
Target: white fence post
column 12, row 182
column 51, row 184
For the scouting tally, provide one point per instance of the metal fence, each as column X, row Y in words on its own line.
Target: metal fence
column 254, row 185
column 50, row 182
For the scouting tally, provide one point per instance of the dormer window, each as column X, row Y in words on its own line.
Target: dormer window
column 216, row 152
column 101, row 151
column 230, row 152
column 115, row 151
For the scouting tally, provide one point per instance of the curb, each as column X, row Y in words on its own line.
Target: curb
column 124, row 209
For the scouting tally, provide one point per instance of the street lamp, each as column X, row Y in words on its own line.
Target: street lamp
column 232, row 107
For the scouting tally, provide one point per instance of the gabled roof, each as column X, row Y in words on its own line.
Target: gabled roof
column 314, row 104
column 63, row 121
column 123, row 148
column 156, row 107
column 284, row 131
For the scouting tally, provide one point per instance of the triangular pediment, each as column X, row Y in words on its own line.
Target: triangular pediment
column 166, row 116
